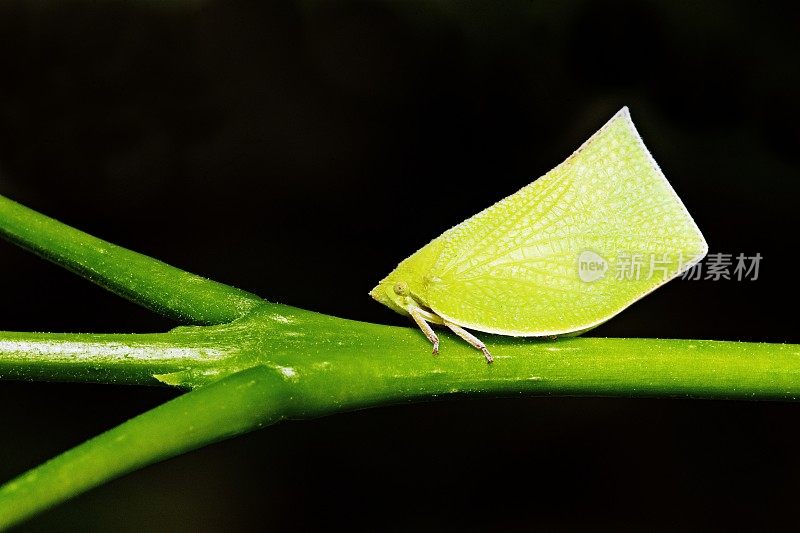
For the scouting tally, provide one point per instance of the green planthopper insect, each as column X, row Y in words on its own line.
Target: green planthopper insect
column 561, row 256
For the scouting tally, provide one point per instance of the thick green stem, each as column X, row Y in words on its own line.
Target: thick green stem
column 295, row 364
column 360, row 364
column 149, row 282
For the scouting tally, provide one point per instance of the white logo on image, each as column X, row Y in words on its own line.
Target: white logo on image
column 591, row 266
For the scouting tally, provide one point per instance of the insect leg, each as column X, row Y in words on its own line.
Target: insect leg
column 470, row 338
column 419, row 317
column 428, row 316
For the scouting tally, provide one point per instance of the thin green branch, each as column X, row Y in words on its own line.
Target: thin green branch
column 233, row 405
column 106, row 358
column 156, row 285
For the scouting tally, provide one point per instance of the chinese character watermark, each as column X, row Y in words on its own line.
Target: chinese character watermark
column 627, row 266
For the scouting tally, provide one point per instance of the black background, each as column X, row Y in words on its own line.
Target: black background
column 299, row 150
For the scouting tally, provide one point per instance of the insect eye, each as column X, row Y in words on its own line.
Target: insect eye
column 401, row 288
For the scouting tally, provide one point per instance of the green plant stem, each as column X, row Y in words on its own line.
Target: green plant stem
column 103, row 358
column 256, row 363
column 291, row 363
column 156, row 285
column 358, row 364
column 229, row 407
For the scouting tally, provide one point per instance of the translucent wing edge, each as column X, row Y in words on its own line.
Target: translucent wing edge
column 704, row 249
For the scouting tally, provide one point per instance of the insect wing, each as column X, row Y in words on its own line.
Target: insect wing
column 570, row 250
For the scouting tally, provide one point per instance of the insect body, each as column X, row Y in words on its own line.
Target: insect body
column 562, row 255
